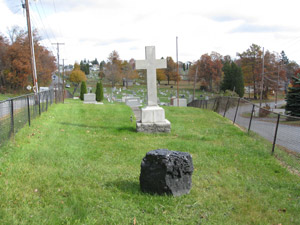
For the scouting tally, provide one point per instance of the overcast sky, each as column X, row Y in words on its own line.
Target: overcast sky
column 94, row 28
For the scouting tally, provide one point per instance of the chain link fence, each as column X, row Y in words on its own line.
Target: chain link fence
column 280, row 129
column 19, row 111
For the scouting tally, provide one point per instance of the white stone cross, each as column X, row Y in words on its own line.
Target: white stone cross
column 151, row 64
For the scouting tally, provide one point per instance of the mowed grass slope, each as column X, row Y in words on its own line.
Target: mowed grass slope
column 80, row 164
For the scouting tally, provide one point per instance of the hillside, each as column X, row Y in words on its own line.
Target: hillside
column 80, row 164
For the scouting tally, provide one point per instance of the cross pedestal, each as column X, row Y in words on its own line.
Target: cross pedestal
column 152, row 117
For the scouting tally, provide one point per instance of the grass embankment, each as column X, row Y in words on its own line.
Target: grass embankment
column 80, row 164
column 7, row 96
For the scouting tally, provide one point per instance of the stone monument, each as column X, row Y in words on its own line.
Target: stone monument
column 89, row 98
column 152, row 116
column 166, row 172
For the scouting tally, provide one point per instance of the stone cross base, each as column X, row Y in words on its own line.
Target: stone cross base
column 153, row 121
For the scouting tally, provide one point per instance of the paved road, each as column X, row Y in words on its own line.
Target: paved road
column 20, row 103
column 288, row 136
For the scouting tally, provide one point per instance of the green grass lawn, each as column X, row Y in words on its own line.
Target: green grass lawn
column 7, row 96
column 80, row 164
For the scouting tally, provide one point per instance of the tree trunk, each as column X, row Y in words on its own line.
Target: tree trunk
column 76, row 86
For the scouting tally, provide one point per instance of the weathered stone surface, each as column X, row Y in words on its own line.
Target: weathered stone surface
column 89, row 98
column 182, row 102
column 133, row 101
column 164, row 127
column 166, row 172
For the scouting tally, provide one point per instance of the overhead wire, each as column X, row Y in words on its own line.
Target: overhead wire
column 35, row 22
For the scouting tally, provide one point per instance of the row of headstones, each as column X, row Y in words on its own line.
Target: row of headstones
column 133, row 101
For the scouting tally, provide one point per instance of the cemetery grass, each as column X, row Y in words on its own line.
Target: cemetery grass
column 6, row 96
column 80, row 164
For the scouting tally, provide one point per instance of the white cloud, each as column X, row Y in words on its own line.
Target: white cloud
column 93, row 28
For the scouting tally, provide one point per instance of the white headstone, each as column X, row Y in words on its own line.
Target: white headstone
column 89, row 98
column 133, row 101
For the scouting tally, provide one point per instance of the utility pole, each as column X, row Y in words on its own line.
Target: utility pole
column 57, row 83
column 63, row 76
column 262, row 77
column 277, row 87
column 31, row 46
column 177, row 72
column 195, row 78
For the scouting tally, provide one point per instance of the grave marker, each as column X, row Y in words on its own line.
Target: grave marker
column 152, row 116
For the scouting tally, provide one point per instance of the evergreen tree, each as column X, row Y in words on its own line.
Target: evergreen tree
column 99, row 92
column 233, row 78
column 82, row 66
column 238, row 79
column 83, row 90
column 227, row 80
column 293, row 97
column 87, row 69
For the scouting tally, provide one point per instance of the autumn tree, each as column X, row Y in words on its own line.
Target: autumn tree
column 289, row 67
column 77, row 76
column 210, row 70
column 128, row 72
column 251, row 63
column 3, row 71
column 170, row 72
column 113, row 68
column 15, row 62
column 160, row 75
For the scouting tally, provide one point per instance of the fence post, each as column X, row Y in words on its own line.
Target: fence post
column 28, row 110
column 275, row 135
column 39, row 103
column 226, row 107
column 12, row 125
column 51, row 97
column 237, row 108
column 47, row 100
column 200, row 103
column 251, row 118
column 213, row 108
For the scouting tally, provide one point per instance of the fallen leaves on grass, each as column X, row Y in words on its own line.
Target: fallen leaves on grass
column 282, row 210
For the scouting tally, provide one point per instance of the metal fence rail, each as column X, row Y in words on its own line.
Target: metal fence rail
column 19, row 111
column 279, row 129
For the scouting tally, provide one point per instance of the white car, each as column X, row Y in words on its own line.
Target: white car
column 68, row 86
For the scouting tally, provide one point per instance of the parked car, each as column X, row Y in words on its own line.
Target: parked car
column 68, row 86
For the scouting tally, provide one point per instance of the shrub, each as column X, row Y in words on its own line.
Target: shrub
column 264, row 111
column 83, row 90
column 99, row 92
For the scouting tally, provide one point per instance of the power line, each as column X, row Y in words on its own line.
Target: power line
column 36, row 24
column 43, row 22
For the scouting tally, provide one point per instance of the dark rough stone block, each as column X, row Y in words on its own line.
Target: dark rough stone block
column 166, row 172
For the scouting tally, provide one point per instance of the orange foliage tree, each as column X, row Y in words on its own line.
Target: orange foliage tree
column 15, row 63
column 208, row 70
